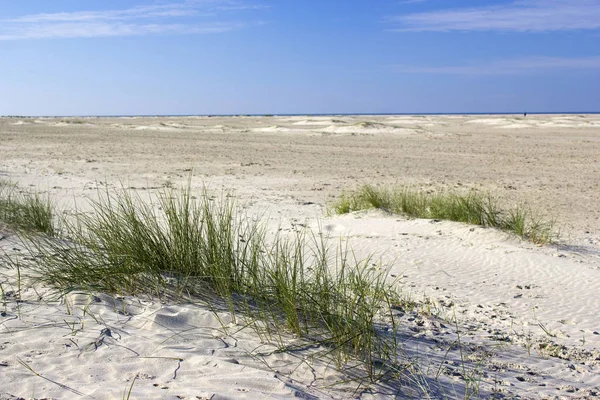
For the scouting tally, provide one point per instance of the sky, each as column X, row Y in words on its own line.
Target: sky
column 198, row 57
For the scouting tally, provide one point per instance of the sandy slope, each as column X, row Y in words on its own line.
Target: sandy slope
column 526, row 315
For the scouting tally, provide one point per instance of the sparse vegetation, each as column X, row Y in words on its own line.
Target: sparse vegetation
column 74, row 121
column 472, row 208
column 25, row 211
column 366, row 124
column 206, row 250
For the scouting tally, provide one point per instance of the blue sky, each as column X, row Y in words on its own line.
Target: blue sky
column 109, row 57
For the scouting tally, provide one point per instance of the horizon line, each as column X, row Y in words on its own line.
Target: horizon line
column 297, row 114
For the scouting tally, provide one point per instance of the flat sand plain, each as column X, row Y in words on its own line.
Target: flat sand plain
column 549, row 161
column 540, row 303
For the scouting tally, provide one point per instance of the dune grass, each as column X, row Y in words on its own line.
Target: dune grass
column 471, row 208
column 25, row 211
column 177, row 245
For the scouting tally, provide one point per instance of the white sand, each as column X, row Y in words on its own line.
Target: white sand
column 526, row 315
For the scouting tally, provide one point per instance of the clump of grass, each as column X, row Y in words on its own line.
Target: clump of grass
column 366, row 124
column 472, row 208
column 25, row 211
column 74, row 121
column 529, row 224
column 204, row 248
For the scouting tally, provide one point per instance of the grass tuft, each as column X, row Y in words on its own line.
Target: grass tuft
column 25, row 211
column 471, row 208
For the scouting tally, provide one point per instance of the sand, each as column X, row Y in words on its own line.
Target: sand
column 526, row 315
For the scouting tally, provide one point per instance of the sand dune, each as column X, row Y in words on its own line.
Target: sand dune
column 366, row 128
column 273, row 128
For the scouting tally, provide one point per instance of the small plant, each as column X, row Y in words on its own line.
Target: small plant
column 472, row 208
column 127, row 393
column 366, row 124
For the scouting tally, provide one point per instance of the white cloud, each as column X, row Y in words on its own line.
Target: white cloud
column 517, row 16
column 509, row 67
column 135, row 21
column 172, row 10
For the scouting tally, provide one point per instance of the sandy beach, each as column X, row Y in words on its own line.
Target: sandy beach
column 526, row 315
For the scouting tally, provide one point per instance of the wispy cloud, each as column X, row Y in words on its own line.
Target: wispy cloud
column 411, row 1
column 190, row 17
column 517, row 16
column 508, row 67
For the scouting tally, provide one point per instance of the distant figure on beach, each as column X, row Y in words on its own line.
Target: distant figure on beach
column 524, row 114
